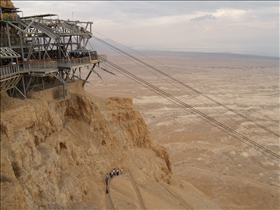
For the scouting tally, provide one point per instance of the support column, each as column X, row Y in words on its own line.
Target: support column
column 88, row 75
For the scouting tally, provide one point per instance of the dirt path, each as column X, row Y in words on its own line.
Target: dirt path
column 140, row 200
column 108, row 201
column 179, row 199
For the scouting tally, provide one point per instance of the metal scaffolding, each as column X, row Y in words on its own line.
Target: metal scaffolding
column 36, row 48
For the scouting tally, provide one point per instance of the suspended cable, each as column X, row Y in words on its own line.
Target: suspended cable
column 185, row 75
column 193, row 110
column 189, row 87
column 197, row 99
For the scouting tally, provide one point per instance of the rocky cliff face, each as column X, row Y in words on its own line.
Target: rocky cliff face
column 7, row 3
column 55, row 154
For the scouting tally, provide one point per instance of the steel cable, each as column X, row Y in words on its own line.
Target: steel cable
column 189, row 87
column 193, row 110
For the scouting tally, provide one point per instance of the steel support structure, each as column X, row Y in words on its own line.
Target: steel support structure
column 38, row 41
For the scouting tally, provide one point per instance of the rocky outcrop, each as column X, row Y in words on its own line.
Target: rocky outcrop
column 55, row 153
column 7, row 3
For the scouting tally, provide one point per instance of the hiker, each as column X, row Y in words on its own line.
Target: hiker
column 111, row 174
column 107, row 189
column 117, row 172
column 106, row 179
column 121, row 171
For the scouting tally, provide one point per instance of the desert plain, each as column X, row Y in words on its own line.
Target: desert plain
column 234, row 173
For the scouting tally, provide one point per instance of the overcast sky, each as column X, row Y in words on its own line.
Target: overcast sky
column 242, row 27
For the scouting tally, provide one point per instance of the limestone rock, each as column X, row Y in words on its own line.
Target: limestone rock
column 55, row 154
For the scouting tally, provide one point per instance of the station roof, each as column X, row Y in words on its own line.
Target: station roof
column 34, row 16
column 8, row 10
column 6, row 52
column 82, row 50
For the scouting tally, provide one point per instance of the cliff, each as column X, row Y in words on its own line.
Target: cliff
column 7, row 3
column 55, row 154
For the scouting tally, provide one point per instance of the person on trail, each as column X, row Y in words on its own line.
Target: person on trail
column 121, row 171
column 111, row 174
column 117, row 172
column 106, row 179
column 107, row 189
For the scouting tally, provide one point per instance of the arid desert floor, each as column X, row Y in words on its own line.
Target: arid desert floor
column 232, row 172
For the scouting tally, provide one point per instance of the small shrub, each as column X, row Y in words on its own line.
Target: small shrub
column 71, row 197
column 62, row 145
column 5, row 179
column 17, row 169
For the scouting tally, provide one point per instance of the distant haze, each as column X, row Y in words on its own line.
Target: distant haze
column 237, row 27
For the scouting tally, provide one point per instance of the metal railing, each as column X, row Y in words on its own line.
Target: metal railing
column 41, row 65
column 102, row 57
column 73, row 61
column 9, row 69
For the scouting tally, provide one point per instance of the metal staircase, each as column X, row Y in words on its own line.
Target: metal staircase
column 46, row 30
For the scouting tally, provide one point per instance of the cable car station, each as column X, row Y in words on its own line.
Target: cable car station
column 42, row 49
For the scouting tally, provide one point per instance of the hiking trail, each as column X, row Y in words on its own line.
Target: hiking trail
column 108, row 201
column 140, row 200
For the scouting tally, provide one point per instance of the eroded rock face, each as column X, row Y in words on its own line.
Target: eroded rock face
column 7, row 3
column 55, row 153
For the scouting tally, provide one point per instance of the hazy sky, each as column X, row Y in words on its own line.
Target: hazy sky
column 242, row 27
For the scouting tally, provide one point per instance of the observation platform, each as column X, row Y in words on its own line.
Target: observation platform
column 30, row 68
column 43, row 49
column 75, row 62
